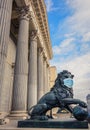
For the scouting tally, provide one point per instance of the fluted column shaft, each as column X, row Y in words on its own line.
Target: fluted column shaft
column 19, row 102
column 5, row 18
column 32, row 79
column 47, row 78
column 44, row 75
column 40, row 91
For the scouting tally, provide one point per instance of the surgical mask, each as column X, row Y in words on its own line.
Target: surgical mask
column 68, row 82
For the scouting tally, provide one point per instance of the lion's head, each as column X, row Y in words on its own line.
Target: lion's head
column 65, row 78
column 65, row 74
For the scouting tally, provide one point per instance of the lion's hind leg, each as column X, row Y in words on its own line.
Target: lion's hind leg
column 38, row 112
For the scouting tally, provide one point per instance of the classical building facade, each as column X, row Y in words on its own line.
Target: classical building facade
column 25, row 51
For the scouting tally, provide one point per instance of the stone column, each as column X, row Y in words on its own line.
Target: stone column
column 44, row 74
column 19, row 102
column 5, row 19
column 48, row 82
column 47, row 78
column 40, row 91
column 32, row 79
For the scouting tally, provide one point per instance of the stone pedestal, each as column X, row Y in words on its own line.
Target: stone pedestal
column 5, row 17
column 19, row 102
column 53, row 124
column 32, row 79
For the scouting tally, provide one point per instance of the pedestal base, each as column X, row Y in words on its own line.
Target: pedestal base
column 18, row 115
column 53, row 123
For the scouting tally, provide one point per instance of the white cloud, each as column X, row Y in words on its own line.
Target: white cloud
column 79, row 4
column 50, row 5
column 79, row 22
column 82, row 89
column 85, row 47
column 76, row 25
column 56, row 50
column 66, row 42
column 80, row 66
column 64, row 47
column 68, row 35
column 86, row 37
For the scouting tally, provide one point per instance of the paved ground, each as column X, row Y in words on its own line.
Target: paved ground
column 12, row 125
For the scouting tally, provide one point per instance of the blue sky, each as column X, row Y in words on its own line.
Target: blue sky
column 69, row 23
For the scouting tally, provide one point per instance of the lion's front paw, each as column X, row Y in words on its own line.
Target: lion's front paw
column 83, row 104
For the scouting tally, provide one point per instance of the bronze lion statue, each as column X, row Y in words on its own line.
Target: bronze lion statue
column 60, row 95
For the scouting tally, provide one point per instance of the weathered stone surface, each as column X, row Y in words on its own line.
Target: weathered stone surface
column 53, row 124
column 5, row 19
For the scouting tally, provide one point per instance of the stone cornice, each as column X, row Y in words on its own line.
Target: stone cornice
column 40, row 12
column 22, row 3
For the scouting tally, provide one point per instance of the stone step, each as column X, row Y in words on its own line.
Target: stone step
column 38, row 129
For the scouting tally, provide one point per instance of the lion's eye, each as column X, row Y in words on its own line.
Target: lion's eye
column 66, row 76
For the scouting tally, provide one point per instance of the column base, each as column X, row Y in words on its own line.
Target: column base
column 16, row 115
column 3, row 114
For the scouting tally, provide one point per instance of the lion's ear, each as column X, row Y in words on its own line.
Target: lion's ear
column 61, row 81
column 72, row 76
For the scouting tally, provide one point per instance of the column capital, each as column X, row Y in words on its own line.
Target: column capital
column 40, row 50
column 47, row 64
column 33, row 35
column 45, row 58
column 24, row 12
